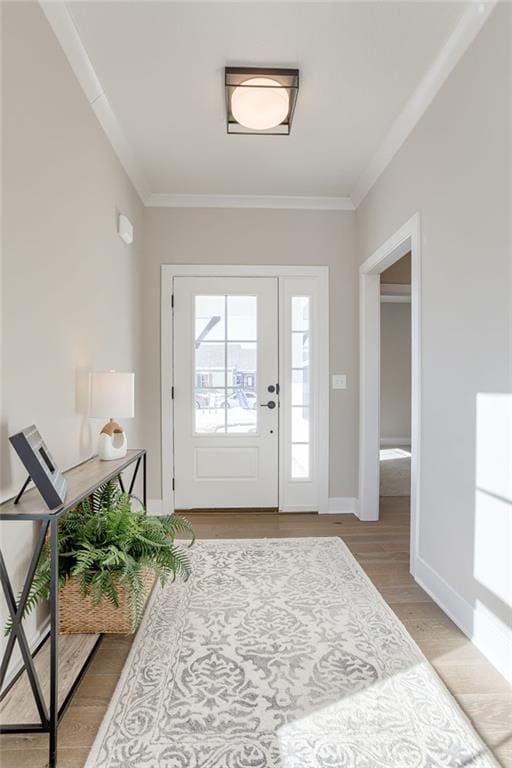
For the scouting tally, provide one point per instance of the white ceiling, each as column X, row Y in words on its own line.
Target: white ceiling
column 160, row 65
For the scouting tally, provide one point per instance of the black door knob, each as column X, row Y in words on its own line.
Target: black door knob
column 271, row 404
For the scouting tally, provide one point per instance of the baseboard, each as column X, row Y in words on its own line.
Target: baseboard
column 337, row 505
column 488, row 634
column 155, row 507
column 394, row 441
column 343, row 505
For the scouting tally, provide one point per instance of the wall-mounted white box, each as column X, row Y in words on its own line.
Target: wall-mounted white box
column 339, row 381
column 125, row 229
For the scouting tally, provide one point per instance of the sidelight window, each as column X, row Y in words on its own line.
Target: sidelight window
column 300, row 387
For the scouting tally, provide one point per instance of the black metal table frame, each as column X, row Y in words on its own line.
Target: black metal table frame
column 52, row 715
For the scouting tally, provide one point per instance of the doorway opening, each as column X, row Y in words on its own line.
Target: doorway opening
column 390, row 376
column 395, row 379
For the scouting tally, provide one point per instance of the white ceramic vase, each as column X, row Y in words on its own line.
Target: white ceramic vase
column 112, row 443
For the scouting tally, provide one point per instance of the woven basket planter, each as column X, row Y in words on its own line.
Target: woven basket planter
column 78, row 615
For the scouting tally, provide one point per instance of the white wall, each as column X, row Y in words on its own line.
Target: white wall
column 241, row 236
column 455, row 170
column 70, row 298
column 395, row 370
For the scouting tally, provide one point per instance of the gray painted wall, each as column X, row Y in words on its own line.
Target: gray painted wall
column 239, row 236
column 395, row 370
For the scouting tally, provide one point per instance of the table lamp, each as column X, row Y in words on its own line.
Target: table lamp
column 112, row 396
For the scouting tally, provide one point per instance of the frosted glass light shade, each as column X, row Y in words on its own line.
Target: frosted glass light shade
column 112, row 395
column 260, row 108
column 260, row 100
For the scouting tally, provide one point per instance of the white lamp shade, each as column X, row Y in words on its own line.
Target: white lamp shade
column 112, row 395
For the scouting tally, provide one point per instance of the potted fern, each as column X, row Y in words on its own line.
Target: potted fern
column 109, row 557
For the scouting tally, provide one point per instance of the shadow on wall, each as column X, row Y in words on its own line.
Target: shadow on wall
column 82, row 394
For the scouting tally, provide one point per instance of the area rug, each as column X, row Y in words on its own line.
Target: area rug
column 280, row 653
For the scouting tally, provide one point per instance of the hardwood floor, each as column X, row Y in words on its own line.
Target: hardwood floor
column 382, row 548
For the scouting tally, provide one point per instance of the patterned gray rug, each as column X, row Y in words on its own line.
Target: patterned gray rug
column 280, row 653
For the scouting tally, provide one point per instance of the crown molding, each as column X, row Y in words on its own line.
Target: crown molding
column 471, row 22
column 63, row 26
column 292, row 202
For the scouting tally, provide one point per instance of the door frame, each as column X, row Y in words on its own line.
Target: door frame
column 321, row 274
column 408, row 237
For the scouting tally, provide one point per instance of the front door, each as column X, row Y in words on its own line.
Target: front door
column 226, row 403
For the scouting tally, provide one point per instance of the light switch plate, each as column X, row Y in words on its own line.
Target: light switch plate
column 339, row 381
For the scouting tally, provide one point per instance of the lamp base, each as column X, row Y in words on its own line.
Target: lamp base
column 112, row 443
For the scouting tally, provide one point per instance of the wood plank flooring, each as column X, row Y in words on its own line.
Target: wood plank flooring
column 19, row 705
column 382, row 548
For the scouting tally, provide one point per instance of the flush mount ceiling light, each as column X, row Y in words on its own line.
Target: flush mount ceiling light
column 260, row 100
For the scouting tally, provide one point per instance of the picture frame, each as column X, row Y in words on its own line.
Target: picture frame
column 40, row 465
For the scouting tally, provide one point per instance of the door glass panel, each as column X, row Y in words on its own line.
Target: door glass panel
column 210, row 322
column 242, row 318
column 241, row 412
column 225, row 364
column 300, row 425
column 209, row 411
column 242, row 361
column 300, row 313
column 300, row 461
column 300, row 387
column 210, row 364
column 300, row 349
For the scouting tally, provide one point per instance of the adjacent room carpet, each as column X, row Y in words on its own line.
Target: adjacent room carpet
column 280, row 653
column 395, row 472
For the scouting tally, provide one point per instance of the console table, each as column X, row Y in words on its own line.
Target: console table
column 82, row 481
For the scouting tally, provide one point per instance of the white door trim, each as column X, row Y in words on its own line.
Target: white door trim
column 168, row 273
column 405, row 239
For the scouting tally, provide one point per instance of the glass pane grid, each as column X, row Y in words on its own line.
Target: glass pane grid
column 300, row 388
column 225, row 364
